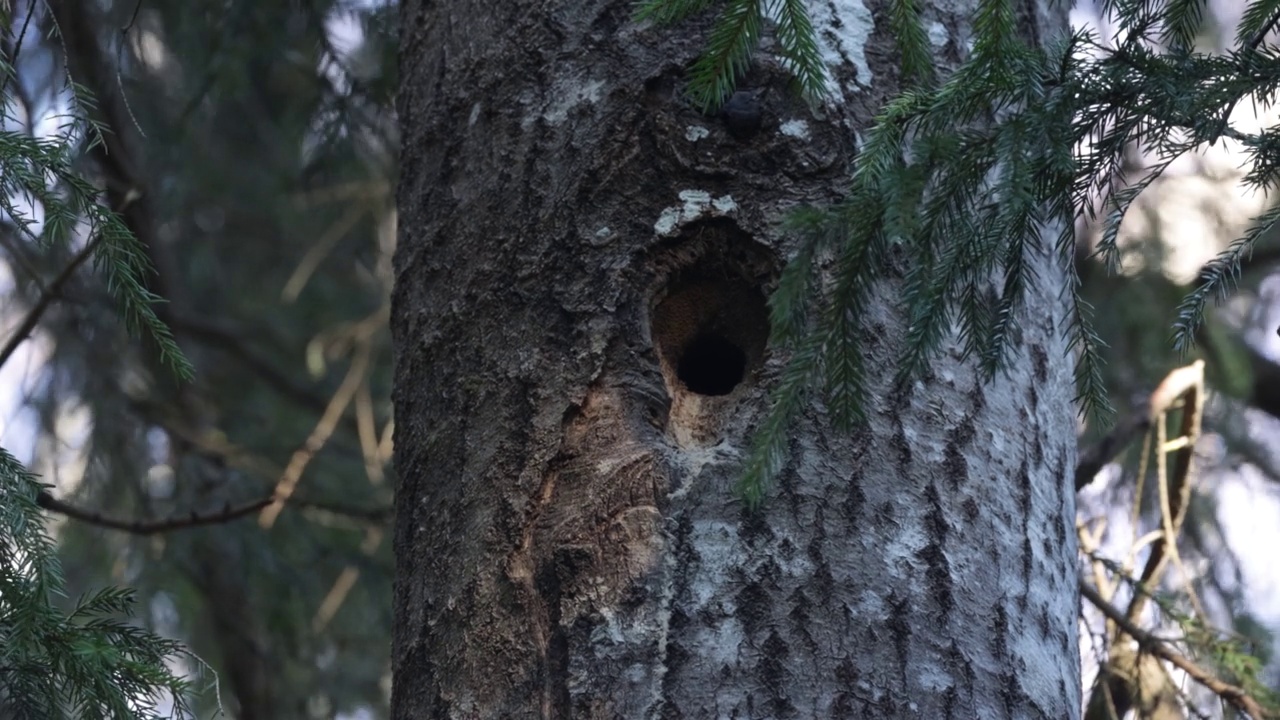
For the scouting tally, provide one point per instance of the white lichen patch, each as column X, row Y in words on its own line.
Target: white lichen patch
column 798, row 129
column 938, row 35
column 667, row 221
column 569, row 98
column 843, row 28
column 696, row 204
column 903, row 549
column 601, row 237
column 694, row 133
column 724, row 204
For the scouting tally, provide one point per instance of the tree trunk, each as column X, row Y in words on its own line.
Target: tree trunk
column 580, row 327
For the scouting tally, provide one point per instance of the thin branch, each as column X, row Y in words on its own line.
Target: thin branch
column 377, row 515
column 225, row 339
column 1252, row 46
column 372, row 515
column 1186, row 383
column 15, row 49
column 1234, row 695
column 151, row 527
column 47, row 297
column 1093, row 459
column 19, row 254
column 319, row 435
column 1175, row 384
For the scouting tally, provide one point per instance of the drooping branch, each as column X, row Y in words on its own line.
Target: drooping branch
column 151, row 527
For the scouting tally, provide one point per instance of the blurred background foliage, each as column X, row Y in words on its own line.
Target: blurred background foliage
column 1226, row 584
column 253, row 150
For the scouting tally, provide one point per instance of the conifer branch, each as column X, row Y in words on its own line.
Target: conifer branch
column 88, row 660
column 967, row 173
column 796, row 40
column 913, row 42
column 666, row 12
column 735, row 35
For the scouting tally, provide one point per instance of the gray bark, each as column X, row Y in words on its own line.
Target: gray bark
column 580, row 251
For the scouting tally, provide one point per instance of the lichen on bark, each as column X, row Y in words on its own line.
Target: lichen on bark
column 568, row 540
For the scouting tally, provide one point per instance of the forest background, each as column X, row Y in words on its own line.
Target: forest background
column 265, row 137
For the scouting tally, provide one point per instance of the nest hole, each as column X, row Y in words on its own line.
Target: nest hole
column 711, row 365
column 709, row 323
column 710, row 334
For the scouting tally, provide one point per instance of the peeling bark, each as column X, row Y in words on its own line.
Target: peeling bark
column 580, row 329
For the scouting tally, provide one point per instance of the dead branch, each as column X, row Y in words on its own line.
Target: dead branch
column 1234, row 695
column 151, row 527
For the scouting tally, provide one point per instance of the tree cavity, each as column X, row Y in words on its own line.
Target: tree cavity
column 709, row 323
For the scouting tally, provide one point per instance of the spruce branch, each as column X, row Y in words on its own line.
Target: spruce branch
column 913, row 42
column 666, row 12
column 964, row 175
column 789, row 305
column 735, row 35
column 87, row 663
column 1256, row 22
column 769, row 454
column 27, row 165
column 845, row 380
column 1181, row 22
column 1218, row 279
column 799, row 49
column 1083, row 342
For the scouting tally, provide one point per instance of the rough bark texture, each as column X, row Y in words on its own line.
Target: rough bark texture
column 580, row 251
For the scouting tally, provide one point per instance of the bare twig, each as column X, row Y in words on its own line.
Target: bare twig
column 1186, row 383
column 345, row 581
column 151, row 527
column 1175, row 384
column 372, row 515
column 356, row 375
column 319, row 435
column 32, row 318
column 16, row 48
column 1234, row 695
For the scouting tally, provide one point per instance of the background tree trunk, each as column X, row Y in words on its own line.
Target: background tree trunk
column 580, row 329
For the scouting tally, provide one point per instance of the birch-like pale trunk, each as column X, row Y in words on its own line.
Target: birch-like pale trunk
column 581, row 252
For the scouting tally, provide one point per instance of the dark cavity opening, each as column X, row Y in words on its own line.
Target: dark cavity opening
column 711, row 365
